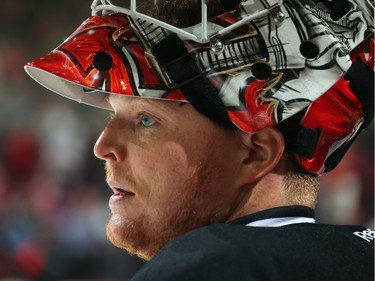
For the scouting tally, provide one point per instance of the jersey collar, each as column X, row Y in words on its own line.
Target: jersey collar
column 279, row 216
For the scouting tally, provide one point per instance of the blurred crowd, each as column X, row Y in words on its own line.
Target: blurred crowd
column 53, row 198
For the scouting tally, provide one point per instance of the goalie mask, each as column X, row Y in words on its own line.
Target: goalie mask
column 304, row 66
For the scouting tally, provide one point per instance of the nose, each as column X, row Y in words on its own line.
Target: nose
column 108, row 147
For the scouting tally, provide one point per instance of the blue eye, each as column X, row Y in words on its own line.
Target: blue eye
column 147, row 121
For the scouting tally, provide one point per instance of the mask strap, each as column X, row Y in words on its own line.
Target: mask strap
column 186, row 74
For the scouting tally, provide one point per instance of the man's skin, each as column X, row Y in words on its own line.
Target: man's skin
column 172, row 170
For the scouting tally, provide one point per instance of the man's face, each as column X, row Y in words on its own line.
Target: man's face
column 171, row 169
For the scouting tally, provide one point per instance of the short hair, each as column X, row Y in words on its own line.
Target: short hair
column 301, row 187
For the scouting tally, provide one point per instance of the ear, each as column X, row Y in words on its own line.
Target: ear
column 263, row 152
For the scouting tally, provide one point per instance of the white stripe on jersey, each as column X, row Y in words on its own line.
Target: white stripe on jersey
column 276, row 222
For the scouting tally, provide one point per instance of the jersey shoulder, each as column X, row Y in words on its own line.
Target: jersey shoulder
column 238, row 252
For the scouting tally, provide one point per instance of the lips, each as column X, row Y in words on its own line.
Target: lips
column 120, row 198
column 119, row 190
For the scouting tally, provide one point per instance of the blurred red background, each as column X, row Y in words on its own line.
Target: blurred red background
column 53, row 198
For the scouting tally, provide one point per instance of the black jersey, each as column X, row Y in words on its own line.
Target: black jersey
column 290, row 248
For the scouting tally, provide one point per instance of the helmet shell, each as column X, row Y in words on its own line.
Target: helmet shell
column 264, row 73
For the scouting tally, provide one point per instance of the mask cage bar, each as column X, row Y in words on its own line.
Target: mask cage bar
column 104, row 6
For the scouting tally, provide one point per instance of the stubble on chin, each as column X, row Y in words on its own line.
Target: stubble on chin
column 145, row 235
column 143, row 238
column 130, row 238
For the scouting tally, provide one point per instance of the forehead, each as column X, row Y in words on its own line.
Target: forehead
column 117, row 102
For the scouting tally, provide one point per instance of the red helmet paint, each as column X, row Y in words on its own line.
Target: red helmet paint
column 263, row 71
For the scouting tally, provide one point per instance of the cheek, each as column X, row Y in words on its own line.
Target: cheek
column 159, row 162
column 167, row 173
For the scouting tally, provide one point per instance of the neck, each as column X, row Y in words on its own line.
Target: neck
column 269, row 192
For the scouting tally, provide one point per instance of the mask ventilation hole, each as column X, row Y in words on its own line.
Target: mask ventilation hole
column 309, row 50
column 261, row 70
column 102, row 61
